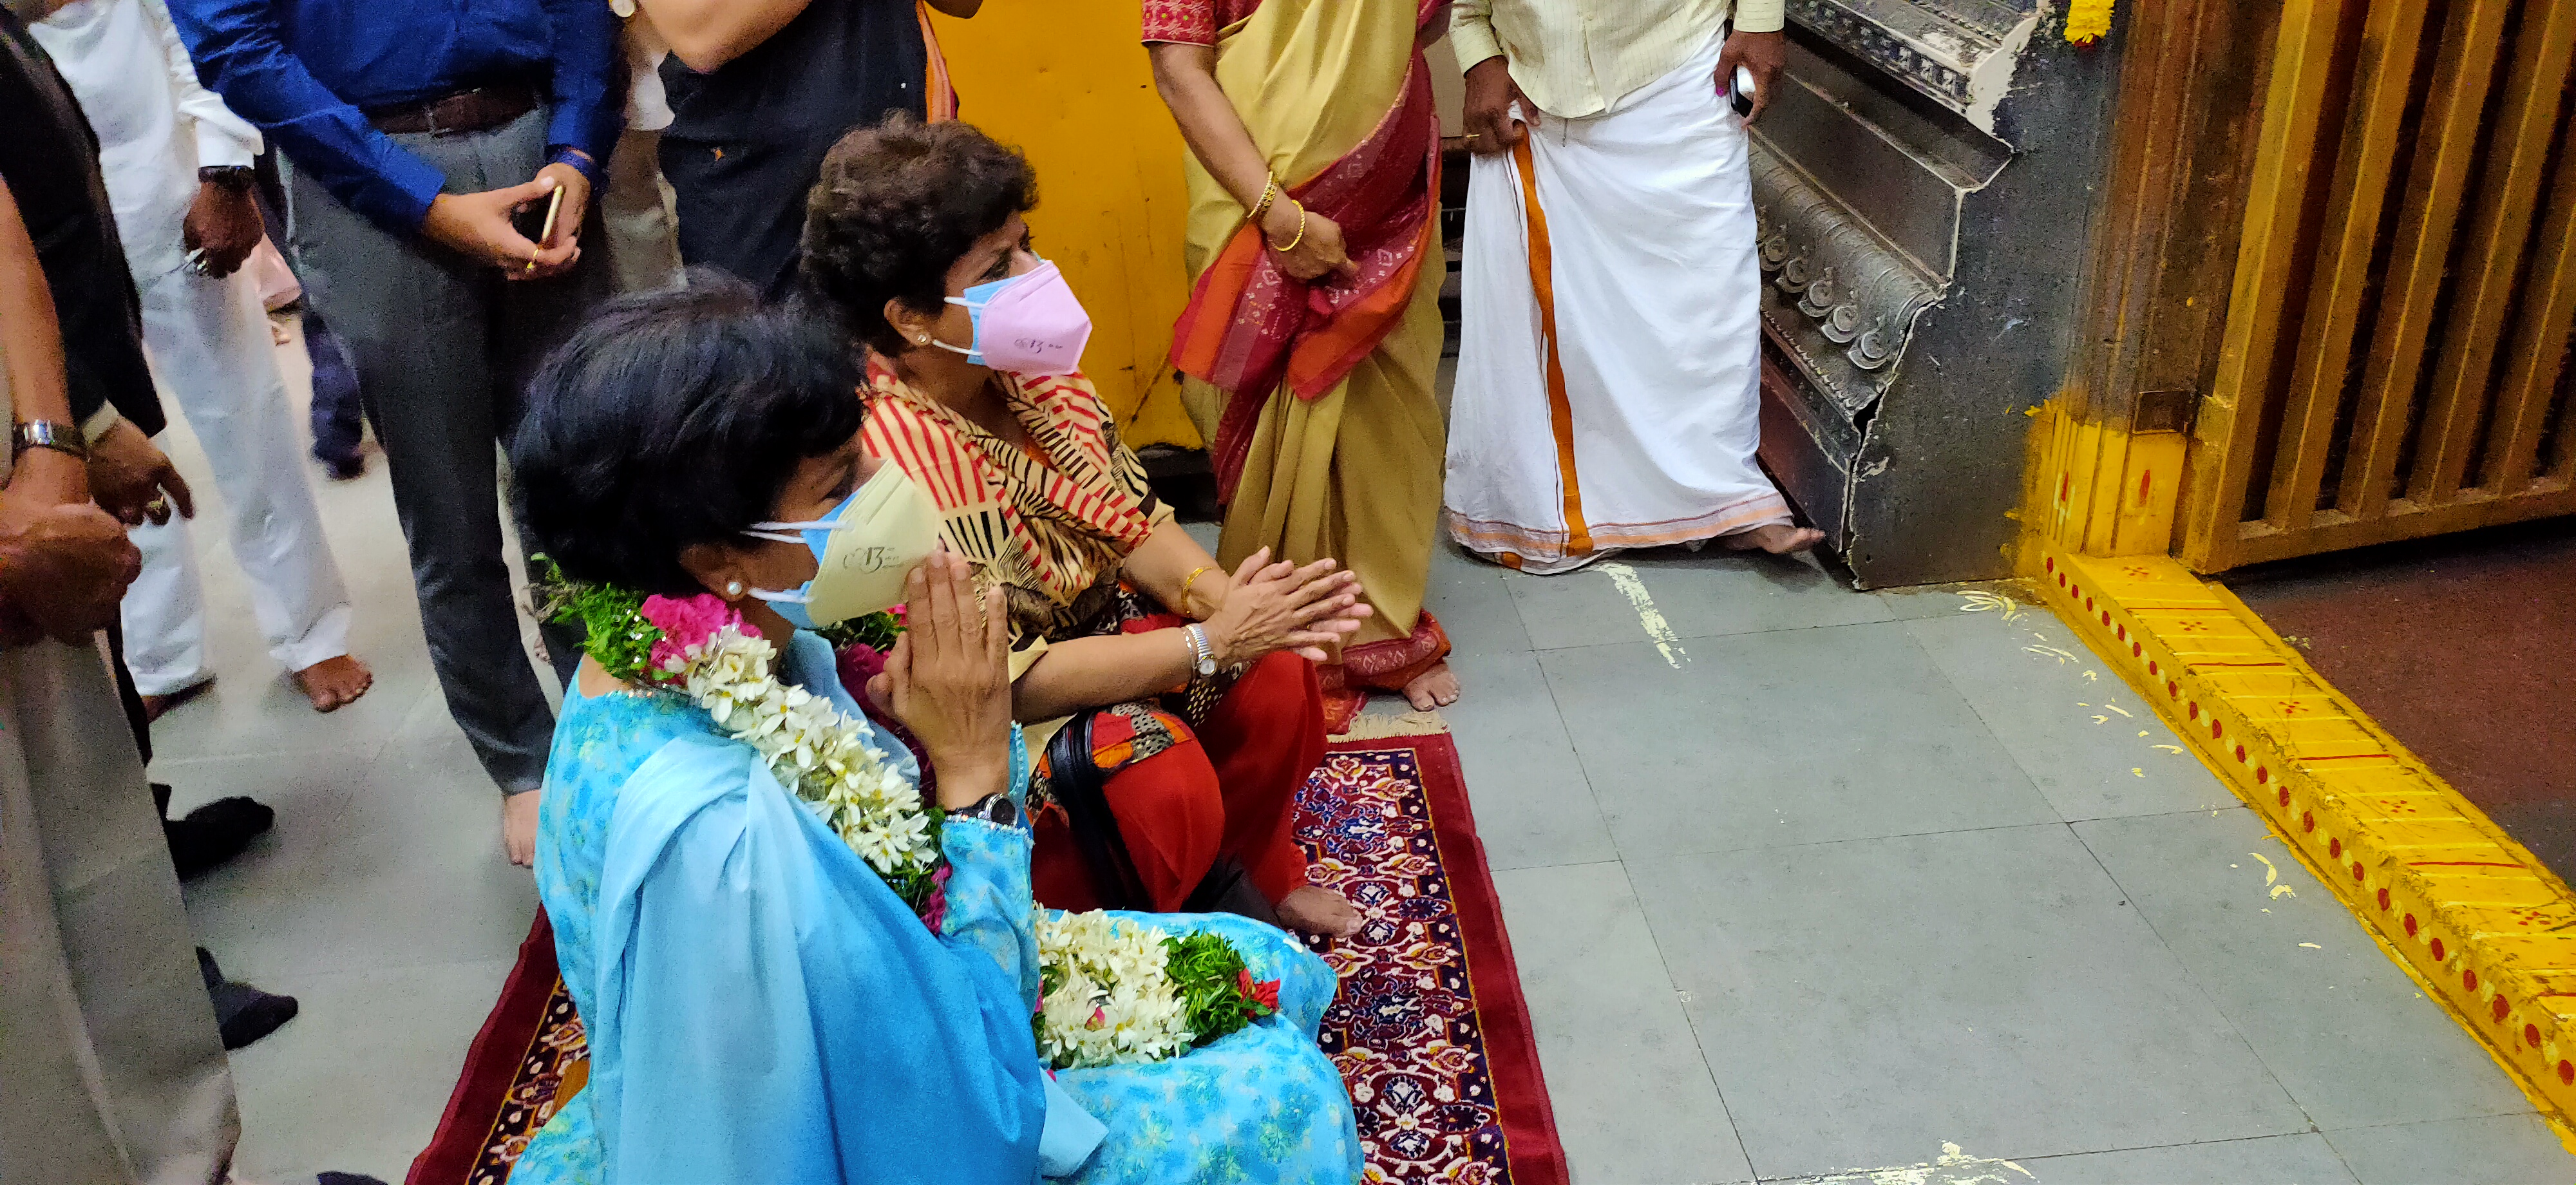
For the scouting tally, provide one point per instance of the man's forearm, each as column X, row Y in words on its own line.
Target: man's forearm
column 31, row 340
column 235, row 44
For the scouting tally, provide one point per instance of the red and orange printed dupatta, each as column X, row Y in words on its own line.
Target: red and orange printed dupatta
column 1336, row 95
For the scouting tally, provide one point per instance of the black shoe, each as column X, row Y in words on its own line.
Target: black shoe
column 213, row 833
column 243, row 1013
column 346, row 1179
column 348, row 468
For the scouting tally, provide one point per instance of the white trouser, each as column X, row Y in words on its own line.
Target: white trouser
column 636, row 216
column 211, row 350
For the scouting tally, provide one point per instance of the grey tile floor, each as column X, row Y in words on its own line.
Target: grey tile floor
column 1832, row 886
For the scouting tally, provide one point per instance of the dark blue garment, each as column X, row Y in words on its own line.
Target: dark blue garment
column 339, row 423
column 303, row 69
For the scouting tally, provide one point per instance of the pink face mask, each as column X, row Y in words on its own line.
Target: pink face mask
column 1026, row 324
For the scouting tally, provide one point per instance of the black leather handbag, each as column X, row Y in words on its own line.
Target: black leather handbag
column 1081, row 789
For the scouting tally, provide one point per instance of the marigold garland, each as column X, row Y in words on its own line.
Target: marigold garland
column 2087, row 21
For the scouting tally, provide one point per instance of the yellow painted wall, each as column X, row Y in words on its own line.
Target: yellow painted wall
column 1067, row 82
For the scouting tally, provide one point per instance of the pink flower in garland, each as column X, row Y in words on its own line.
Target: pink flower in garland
column 934, row 908
column 860, row 662
column 687, row 624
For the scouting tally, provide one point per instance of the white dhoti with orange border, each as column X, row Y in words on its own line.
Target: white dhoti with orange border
column 1609, row 365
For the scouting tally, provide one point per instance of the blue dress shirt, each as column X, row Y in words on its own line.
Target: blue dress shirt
column 303, row 69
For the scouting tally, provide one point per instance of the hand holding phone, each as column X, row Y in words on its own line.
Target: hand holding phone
column 539, row 228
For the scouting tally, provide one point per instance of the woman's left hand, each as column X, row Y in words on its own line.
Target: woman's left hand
column 948, row 680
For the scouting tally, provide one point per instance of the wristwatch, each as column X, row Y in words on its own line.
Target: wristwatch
column 1204, row 653
column 237, row 178
column 62, row 438
column 996, row 809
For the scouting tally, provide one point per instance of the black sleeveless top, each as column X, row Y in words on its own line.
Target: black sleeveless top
column 840, row 64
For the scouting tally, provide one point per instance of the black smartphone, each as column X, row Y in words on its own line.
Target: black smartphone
column 536, row 223
column 1741, row 93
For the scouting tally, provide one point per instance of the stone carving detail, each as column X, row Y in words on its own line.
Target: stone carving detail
column 1960, row 52
column 1839, row 299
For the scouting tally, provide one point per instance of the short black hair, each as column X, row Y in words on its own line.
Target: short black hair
column 897, row 206
column 675, row 418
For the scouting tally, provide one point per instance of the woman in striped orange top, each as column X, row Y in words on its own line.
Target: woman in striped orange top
column 1175, row 702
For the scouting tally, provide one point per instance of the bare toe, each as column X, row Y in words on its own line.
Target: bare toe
column 335, row 683
column 1313, row 909
column 1434, row 688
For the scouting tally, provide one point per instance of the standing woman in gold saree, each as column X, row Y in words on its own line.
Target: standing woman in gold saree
column 1314, row 315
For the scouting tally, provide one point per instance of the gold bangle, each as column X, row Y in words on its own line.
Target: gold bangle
column 1269, row 191
column 1184, row 606
column 1292, row 243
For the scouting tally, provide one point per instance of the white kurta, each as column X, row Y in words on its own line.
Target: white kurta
column 1637, row 259
column 209, row 344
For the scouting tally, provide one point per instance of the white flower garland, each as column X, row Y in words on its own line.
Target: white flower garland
column 1111, row 994
column 813, row 750
column 1112, row 1000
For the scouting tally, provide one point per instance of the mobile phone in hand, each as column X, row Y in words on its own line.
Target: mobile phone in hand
column 538, row 225
column 1741, row 94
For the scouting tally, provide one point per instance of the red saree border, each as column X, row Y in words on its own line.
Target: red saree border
column 1532, row 1146
column 492, row 1062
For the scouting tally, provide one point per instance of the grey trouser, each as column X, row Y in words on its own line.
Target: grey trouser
column 442, row 345
column 110, row 1066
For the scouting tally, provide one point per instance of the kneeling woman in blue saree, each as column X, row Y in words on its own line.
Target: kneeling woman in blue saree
column 789, row 889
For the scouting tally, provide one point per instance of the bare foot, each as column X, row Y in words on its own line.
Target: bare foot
column 334, row 683
column 1313, row 909
column 1777, row 538
column 1434, row 688
column 519, row 827
column 155, row 705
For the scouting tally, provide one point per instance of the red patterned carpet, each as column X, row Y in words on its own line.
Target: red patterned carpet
column 1430, row 1030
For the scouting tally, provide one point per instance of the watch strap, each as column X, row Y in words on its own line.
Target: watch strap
column 47, row 434
column 237, row 178
column 997, row 809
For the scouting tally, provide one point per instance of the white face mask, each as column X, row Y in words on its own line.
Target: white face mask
column 862, row 551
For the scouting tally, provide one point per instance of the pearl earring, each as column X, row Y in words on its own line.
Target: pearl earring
column 733, row 588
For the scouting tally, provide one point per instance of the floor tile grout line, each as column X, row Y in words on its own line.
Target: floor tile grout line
column 1951, row 680
column 1718, row 637
column 1818, row 843
column 2180, row 964
column 1556, row 708
column 1698, row 1043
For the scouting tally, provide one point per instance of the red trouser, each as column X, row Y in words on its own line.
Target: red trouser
column 1229, row 790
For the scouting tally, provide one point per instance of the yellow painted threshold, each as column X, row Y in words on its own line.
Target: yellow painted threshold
column 2481, row 924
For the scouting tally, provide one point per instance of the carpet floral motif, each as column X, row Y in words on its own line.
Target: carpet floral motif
column 1405, row 1030
column 560, row 1053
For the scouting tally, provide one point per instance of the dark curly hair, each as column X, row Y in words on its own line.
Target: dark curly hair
column 675, row 418
column 896, row 207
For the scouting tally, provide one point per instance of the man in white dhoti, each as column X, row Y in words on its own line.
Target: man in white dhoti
column 178, row 170
column 1609, row 363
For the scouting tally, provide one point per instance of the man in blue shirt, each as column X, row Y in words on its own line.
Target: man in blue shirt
column 411, row 134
